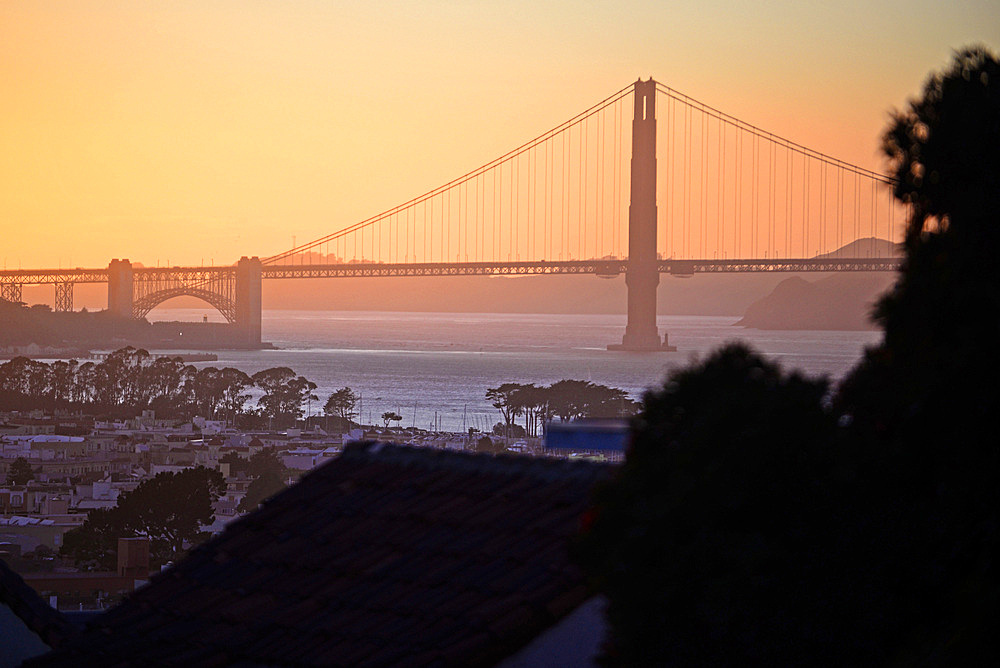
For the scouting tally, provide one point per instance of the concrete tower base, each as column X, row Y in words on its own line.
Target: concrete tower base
column 647, row 345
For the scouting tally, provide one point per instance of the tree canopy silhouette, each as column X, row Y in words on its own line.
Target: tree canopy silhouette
column 714, row 516
column 923, row 401
column 941, row 318
column 20, row 472
column 169, row 508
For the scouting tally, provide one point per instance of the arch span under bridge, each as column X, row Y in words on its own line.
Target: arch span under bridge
column 581, row 198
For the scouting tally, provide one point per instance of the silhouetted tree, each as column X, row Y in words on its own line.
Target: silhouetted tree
column 84, row 384
column 265, row 462
column 118, row 379
column 236, row 463
column 130, row 380
column 169, row 508
column 342, row 403
column 93, row 546
column 526, row 401
column 167, row 385
column 234, row 391
column 573, row 399
column 61, row 380
column 263, row 487
column 704, row 543
column 284, row 393
column 509, row 430
column 20, row 472
column 922, row 401
column 503, row 399
column 941, row 318
column 24, row 383
column 391, row 416
column 568, row 399
column 208, row 387
column 268, row 473
column 488, row 446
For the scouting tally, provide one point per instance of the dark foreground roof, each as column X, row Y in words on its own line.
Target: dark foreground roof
column 50, row 625
column 387, row 555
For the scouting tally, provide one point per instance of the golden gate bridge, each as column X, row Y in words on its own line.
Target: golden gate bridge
column 646, row 182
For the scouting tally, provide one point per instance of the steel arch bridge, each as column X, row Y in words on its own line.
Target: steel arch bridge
column 152, row 287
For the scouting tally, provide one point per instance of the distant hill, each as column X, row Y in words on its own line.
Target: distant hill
column 838, row 302
column 22, row 325
column 867, row 247
column 834, row 302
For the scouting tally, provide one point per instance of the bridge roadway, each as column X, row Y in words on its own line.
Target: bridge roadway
column 197, row 275
column 598, row 267
column 235, row 291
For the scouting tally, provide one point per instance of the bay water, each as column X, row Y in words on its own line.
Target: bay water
column 434, row 368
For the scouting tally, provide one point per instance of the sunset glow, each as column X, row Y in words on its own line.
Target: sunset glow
column 195, row 133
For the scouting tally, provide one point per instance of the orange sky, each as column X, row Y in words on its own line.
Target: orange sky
column 203, row 131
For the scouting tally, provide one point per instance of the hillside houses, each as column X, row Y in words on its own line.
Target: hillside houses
column 79, row 465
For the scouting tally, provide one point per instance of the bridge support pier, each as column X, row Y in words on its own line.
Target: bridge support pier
column 11, row 292
column 248, row 304
column 642, row 275
column 120, row 279
column 64, row 296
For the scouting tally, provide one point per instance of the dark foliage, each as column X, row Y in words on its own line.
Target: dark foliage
column 130, row 380
column 342, row 403
column 263, row 487
column 20, row 472
column 284, row 394
column 924, row 401
column 265, row 462
column 93, row 546
column 168, row 508
column 488, row 446
column 391, row 416
column 941, row 318
column 236, row 463
column 509, row 430
column 708, row 542
column 268, row 475
column 565, row 399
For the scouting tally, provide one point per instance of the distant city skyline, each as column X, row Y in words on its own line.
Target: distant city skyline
column 195, row 133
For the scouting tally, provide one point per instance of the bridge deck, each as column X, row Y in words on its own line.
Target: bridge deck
column 362, row 269
column 599, row 267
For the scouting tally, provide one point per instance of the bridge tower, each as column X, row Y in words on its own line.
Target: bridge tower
column 120, row 279
column 248, row 310
column 642, row 275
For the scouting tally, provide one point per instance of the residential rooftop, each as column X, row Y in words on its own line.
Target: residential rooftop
column 386, row 555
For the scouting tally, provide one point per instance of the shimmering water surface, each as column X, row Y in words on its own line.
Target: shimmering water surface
column 429, row 366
